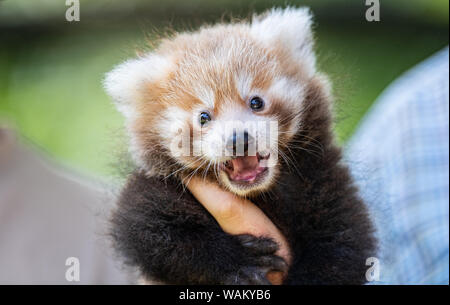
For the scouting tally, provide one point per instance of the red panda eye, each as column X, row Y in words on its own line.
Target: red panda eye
column 204, row 118
column 256, row 103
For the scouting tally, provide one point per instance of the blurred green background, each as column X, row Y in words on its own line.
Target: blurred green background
column 51, row 70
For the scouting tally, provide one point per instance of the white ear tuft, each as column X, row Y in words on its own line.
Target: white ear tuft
column 125, row 81
column 290, row 27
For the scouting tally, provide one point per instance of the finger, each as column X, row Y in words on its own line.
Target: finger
column 275, row 277
column 220, row 203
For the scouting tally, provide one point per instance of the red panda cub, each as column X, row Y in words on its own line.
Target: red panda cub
column 241, row 105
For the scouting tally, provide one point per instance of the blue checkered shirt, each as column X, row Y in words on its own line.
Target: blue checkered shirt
column 399, row 157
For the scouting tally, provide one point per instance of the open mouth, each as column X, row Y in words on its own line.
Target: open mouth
column 246, row 169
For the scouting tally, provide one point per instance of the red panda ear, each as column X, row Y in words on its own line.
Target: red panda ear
column 125, row 82
column 289, row 28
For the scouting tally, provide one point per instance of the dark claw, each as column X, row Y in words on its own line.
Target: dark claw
column 260, row 260
column 256, row 277
column 273, row 263
column 249, row 276
column 258, row 245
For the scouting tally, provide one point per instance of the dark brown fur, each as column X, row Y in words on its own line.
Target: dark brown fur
column 169, row 236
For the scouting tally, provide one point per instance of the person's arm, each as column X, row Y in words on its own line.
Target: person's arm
column 237, row 216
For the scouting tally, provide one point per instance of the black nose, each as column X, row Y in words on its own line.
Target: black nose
column 239, row 142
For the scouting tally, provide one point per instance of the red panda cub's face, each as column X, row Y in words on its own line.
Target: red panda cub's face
column 221, row 103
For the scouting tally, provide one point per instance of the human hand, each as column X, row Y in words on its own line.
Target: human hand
column 238, row 216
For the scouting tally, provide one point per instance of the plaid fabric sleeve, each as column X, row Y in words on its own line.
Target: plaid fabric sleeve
column 399, row 157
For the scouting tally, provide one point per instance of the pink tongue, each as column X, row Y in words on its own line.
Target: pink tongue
column 245, row 168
